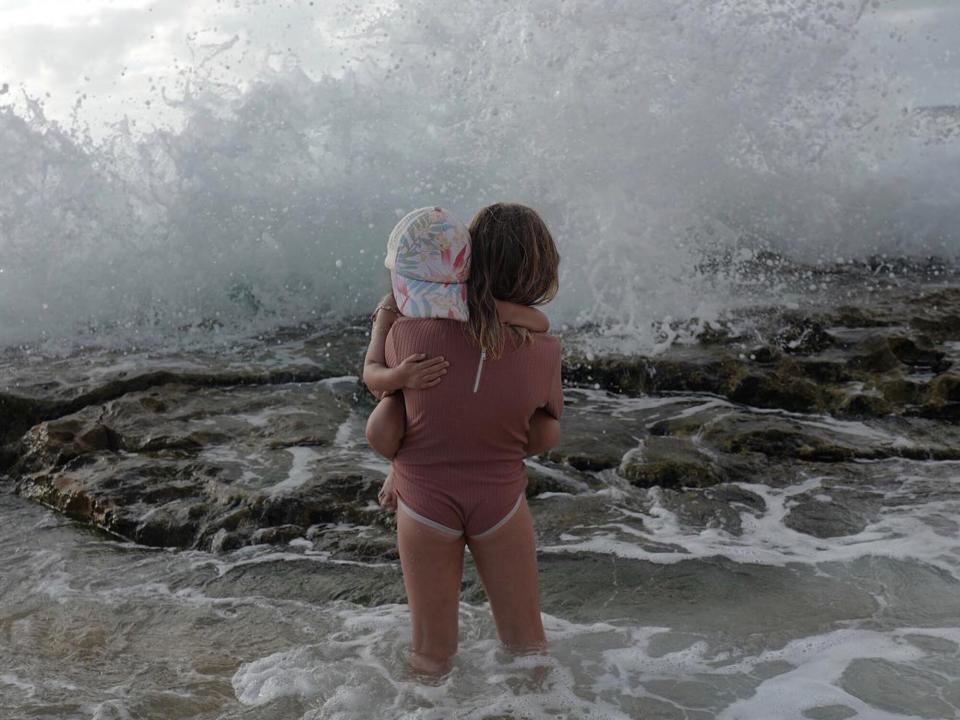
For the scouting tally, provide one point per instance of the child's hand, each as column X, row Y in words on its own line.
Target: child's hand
column 419, row 373
column 387, row 495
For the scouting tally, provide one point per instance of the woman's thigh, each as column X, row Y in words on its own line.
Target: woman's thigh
column 507, row 562
column 432, row 564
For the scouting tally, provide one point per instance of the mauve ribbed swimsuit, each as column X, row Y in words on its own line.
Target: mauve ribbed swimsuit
column 461, row 462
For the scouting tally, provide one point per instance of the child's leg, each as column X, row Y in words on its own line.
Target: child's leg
column 386, row 425
column 544, row 433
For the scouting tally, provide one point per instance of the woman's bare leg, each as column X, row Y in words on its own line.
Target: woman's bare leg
column 387, row 425
column 432, row 563
column 507, row 562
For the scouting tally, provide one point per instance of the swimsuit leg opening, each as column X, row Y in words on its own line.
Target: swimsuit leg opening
column 427, row 521
column 503, row 521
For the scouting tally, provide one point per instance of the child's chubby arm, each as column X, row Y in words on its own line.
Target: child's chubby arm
column 416, row 371
column 522, row 316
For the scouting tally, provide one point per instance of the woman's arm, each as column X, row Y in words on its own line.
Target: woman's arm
column 544, row 433
column 553, row 404
column 522, row 316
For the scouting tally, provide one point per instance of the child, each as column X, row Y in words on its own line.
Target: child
column 428, row 254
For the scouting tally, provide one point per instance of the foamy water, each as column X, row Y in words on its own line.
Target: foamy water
column 692, row 622
column 83, row 612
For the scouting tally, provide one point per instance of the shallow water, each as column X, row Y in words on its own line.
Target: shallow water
column 694, row 622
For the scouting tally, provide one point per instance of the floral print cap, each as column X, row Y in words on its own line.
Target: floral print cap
column 428, row 254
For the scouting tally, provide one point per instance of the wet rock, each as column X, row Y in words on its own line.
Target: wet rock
column 863, row 405
column 547, row 477
column 770, row 391
column 278, row 534
column 590, row 442
column 736, row 495
column 883, row 353
column 918, row 351
column 824, row 519
column 940, row 399
column 681, row 369
column 830, row 712
column 18, row 414
column 820, row 370
column 900, row 391
column 702, row 511
column 57, row 442
column 331, row 497
column 671, row 463
column 765, row 354
column 226, row 540
column 363, row 544
column 771, row 601
column 943, row 389
column 616, row 373
column 949, row 412
column 319, row 581
column 895, row 688
column 940, row 327
column 780, row 438
column 687, row 371
column 172, row 524
column 855, row 316
column 874, row 355
column 804, row 336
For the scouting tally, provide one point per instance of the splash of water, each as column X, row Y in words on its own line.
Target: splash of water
column 650, row 137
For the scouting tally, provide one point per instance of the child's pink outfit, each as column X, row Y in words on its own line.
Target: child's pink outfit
column 460, row 468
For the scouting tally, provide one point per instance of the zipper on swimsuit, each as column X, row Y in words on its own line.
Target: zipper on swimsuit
column 476, row 381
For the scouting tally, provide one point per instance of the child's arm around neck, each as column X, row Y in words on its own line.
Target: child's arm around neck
column 522, row 316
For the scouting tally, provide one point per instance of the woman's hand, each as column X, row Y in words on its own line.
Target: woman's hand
column 387, row 495
column 416, row 372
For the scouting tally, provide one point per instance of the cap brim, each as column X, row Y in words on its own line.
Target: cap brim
column 426, row 299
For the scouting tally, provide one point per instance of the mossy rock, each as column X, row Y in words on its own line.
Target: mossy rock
column 944, row 388
column 884, row 353
column 863, row 405
column 874, row 355
column 777, row 391
column 900, row 391
column 781, row 438
column 669, row 462
column 804, row 336
column 941, row 327
column 820, row 371
column 853, row 316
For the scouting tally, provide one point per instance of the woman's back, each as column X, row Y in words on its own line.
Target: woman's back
column 473, row 425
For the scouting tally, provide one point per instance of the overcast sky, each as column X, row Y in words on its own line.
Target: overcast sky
column 120, row 52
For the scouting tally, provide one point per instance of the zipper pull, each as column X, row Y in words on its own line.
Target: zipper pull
column 476, row 381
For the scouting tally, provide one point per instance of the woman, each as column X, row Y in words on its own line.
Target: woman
column 459, row 478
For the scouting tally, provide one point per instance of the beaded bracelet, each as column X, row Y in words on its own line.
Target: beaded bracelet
column 378, row 308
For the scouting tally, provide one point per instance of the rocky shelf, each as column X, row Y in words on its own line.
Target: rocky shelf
column 265, row 444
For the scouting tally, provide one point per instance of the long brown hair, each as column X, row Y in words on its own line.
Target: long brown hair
column 513, row 258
